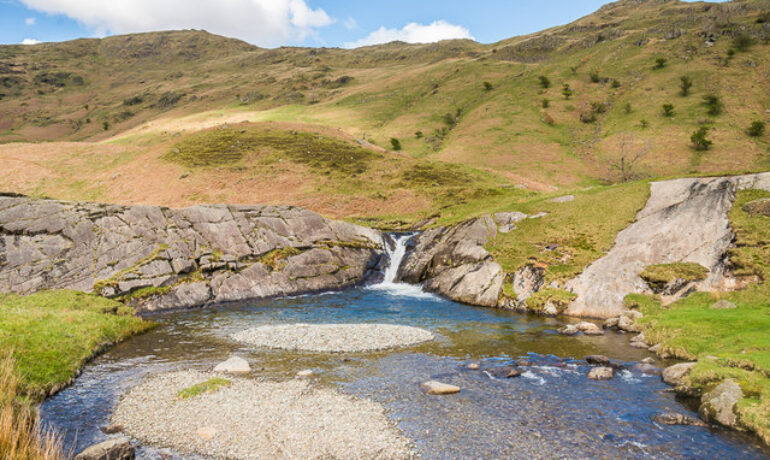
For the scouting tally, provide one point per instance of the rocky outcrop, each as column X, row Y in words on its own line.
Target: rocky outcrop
column 718, row 405
column 158, row 258
column 452, row 261
column 685, row 220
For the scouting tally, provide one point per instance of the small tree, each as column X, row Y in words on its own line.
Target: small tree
column 545, row 103
column 615, row 83
column 630, row 153
column 544, row 81
column 742, row 42
column 566, row 91
column 685, row 83
column 699, row 140
column 713, row 104
column 598, row 107
column 757, row 129
column 418, row 134
column 395, row 143
column 106, row 125
column 643, row 123
column 488, row 86
column 660, row 62
column 594, row 75
column 668, row 110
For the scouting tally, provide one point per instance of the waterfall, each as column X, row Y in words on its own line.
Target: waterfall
column 396, row 256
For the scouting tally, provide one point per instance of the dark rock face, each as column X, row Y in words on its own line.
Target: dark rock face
column 179, row 258
column 452, row 261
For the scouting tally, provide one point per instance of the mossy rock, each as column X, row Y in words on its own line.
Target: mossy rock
column 758, row 207
column 661, row 275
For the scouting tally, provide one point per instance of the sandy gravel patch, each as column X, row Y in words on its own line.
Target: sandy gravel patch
column 333, row 338
column 252, row 419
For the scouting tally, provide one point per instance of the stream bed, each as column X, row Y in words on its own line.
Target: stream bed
column 552, row 410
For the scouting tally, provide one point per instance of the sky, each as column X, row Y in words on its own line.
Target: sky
column 272, row 23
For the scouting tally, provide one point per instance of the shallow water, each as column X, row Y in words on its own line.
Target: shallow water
column 553, row 410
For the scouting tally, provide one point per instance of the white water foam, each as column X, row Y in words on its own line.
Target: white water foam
column 389, row 284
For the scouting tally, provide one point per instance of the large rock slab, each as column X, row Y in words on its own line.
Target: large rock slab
column 719, row 404
column 685, row 220
column 452, row 261
column 179, row 258
column 113, row 449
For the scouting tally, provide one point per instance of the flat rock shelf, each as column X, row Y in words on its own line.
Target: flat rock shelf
column 333, row 338
column 258, row 419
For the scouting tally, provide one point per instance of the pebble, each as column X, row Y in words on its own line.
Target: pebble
column 305, row 373
column 235, row 365
column 473, row 366
column 333, row 338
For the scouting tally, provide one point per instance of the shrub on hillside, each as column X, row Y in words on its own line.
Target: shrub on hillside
column 132, row 100
column 628, row 107
column 643, row 123
column 418, row 134
column 488, row 86
column 742, row 42
column 594, row 75
column 668, row 110
column 660, row 63
column 395, row 143
column 699, row 139
column 545, row 103
column 544, row 81
column 615, row 83
column 685, row 83
column 588, row 116
column 757, row 129
column 713, row 104
column 566, row 91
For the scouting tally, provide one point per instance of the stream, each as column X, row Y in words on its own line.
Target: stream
column 552, row 410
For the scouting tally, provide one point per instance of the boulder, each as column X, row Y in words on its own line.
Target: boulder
column 112, row 449
column 638, row 338
column 639, row 345
column 588, row 328
column 601, row 373
column 648, row 369
column 723, row 305
column 437, row 388
column 674, row 418
column 235, row 365
column 504, row 372
column 569, row 329
column 610, row 323
column 112, row 429
column 506, row 221
column 627, row 323
column 648, row 360
column 719, row 404
column 598, row 359
column 673, row 375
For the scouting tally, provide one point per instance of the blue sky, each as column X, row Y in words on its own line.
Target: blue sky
column 272, row 23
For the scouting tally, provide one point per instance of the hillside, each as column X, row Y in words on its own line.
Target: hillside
column 117, row 108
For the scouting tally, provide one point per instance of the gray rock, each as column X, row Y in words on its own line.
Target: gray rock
column 563, row 199
column 452, row 261
column 640, row 345
column 437, row 388
column 588, row 328
column 723, row 305
column 648, row 369
column 627, row 323
column 538, row 215
column 569, row 329
column 601, row 373
column 648, row 361
column 673, row 418
column 673, row 375
column 201, row 254
column 719, row 404
column 506, row 221
column 234, row 365
column 683, row 220
column 112, row 449
column 504, row 372
column 526, row 281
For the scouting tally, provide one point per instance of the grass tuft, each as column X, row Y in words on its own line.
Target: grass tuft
column 211, row 385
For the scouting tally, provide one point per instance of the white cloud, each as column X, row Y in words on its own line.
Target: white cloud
column 30, row 21
column 350, row 23
column 30, row 41
column 261, row 22
column 413, row 33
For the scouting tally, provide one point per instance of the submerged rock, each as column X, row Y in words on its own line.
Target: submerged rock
column 673, row 418
column 719, row 404
column 437, row 388
column 601, row 373
column 504, row 372
column 473, row 366
column 112, row 449
column 235, row 365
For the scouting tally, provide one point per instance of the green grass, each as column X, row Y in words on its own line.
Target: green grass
column 210, row 385
column 659, row 275
column 275, row 260
column 738, row 338
column 52, row 333
column 559, row 298
column 582, row 230
column 228, row 146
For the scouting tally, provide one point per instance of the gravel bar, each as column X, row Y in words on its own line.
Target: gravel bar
column 333, row 338
column 253, row 419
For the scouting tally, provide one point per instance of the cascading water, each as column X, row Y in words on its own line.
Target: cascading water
column 396, row 256
column 389, row 283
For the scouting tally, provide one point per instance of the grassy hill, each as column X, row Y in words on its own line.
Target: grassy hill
column 473, row 121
